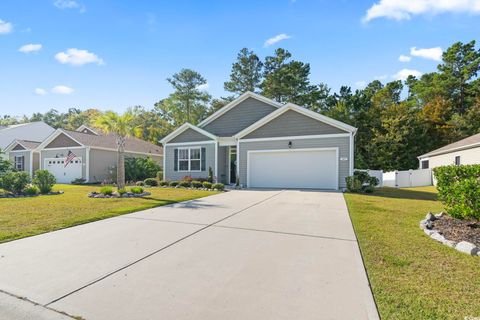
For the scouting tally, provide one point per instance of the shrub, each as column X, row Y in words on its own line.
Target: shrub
column 106, row 190
column 173, row 183
column 185, row 184
column 207, row 185
column 31, row 190
column 210, row 175
column 140, row 168
column 152, row 182
column 78, row 181
column 136, row 190
column 187, row 179
column 15, row 182
column 361, row 181
column 459, row 190
column 44, row 180
column 218, row 186
column 163, row 183
column 197, row 184
column 160, row 175
column 122, row 191
column 140, row 183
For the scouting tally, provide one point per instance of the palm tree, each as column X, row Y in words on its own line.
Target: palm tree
column 122, row 127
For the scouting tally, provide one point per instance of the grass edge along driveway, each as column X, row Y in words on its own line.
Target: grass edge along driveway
column 412, row 276
column 24, row 217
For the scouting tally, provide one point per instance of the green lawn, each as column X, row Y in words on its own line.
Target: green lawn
column 413, row 276
column 23, row 217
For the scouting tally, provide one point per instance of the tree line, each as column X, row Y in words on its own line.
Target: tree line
column 397, row 121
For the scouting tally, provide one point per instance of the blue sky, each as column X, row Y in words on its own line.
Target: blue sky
column 115, row 54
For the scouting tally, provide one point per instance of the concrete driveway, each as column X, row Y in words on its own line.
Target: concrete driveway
column 237, row 255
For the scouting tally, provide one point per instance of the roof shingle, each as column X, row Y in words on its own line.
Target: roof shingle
column 472, row 140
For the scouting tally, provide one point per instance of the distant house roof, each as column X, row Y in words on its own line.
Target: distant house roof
column 108, row 141
column 467, row 143
column 32, row 131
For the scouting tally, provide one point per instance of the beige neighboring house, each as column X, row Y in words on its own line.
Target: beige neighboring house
column 23, row 155
column 93, row 155
column 466, row 151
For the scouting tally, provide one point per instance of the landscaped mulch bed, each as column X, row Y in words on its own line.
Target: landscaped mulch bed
column 458, row 230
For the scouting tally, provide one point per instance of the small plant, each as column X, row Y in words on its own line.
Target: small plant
column 44, row 180
column 78, row 181
column 218, row 186
column 106, row 190
column 207, row 184
column 121, row 191
column 163, row 183
column 152, row 182
column 197, row 184
column 187, row 179
column 136, row 190
column 210, row 175
column 140, row 183
column 173, row 183
column 361, row 181
column 15, row 182
column 31, row 190
column 185, row 184
column 159, row 175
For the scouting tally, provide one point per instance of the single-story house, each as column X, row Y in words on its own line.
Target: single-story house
column 81, row 154
column 32, row 131
column 466, row 151
column 259, row 142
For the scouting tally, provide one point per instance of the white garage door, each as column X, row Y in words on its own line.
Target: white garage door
column 300, row 168
column 64, row 174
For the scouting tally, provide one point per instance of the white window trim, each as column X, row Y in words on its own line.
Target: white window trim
column 22, row 162
column 189, row 159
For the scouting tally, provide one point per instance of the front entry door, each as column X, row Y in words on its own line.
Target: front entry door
column 233, row 164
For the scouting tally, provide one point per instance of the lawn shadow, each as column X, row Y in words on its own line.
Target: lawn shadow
column 398, row 193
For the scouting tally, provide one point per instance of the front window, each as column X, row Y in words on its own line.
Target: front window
column 189, row 159
column 425, row 164
column 19, row 163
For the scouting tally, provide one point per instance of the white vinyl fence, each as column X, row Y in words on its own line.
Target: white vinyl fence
column 402, row 179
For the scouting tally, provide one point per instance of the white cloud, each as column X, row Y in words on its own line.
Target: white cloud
column 78, row 57
column 430, row 53
column 5, row 27
column 203, row 86
column 404, row 73
column 40, row 91
column 404, row 58
column 30, row 48
column 405, row 9
column 360, row 84
column 277, row 38
column 62, row 90
column 69, row 4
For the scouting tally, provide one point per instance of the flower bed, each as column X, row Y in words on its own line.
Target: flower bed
column 463, row 235
column 11, row 195
column 95, row 194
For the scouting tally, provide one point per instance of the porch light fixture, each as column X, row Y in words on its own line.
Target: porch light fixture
column 289, row 144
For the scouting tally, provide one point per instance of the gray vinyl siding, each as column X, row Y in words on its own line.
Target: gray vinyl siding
column 170, row 174
column 189, row 135
column 343, row 144
column 292, row 123
column 26, row 159
column 240, row 117
column 62, row 153
column 36, row 161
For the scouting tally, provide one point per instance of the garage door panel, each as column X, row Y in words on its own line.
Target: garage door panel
column 62, row 173
column 315, row 168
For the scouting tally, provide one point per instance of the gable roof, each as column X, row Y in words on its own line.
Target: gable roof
column 83, row 128
column 107, row 141
column 302, row 110
column 469, row 142
column 185, row 127
column 26, row 144
column 236, row 102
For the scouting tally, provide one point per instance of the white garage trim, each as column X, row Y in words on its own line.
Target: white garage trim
column 250, row 152
column 318, row 136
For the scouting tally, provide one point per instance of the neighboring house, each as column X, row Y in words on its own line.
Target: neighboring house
column 93, row 155
column 23, row 155
column 32, row 131
column 263, row 143
column 466, row 151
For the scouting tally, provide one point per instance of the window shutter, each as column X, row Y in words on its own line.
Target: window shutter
column 175, row 159
column 23, row 163
column 202, row 156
